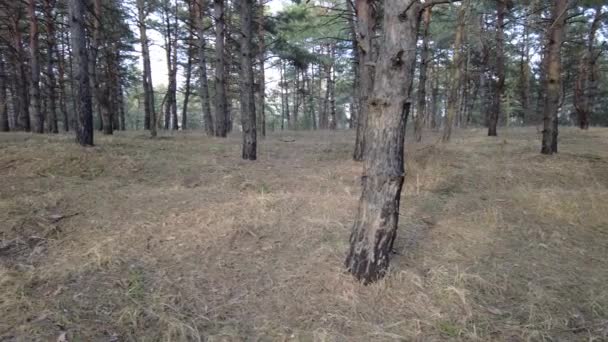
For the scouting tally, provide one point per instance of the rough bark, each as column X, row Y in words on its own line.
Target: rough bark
column 203, row 89
column 248, row 119
column 35, row 70
column 375, row 225
column 424, row 59
column 365, row 30
column 221, row 111
column 555, row 37
column 84, row 110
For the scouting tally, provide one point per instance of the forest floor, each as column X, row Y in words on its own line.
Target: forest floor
column 178, row 239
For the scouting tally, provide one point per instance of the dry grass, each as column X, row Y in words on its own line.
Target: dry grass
column 176, row 239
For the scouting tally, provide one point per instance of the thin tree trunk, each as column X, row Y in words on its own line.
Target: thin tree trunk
column 354, row 105
column 495, row 113
column 51, row 43
column 296, row 100
column 4, row 127
column 583, row 91
column 221, row 112
column 35, row 69
column 22, row 104
column 434, row 99
column 455, row 74
column 62, row 88
column 203, row 89
column 375, row 228
column 84, row 110
column 248, row 119
column 555, row 37
column 174, row 120
column 424, row 56
column 149, row 110
column 261, row 110
column 333, row 124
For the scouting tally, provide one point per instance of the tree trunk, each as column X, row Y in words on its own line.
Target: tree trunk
column 296, row 100
column 203, row 89
column 248, row 119
column 375, row 225
column 500, row 68
column 221, row 112
column 52, row 95
column 583, row 91
column 22, row 103
column 434, row 99
column 150, row 115
column 174, row 120
column 84, row 110
column 333, row 124
column 354, row 104
column 455, row 74
column 365, row 30
column 555, row 37
column 260, row 111
column 524, row 67
column 424, row 56
column 62, row 88
column 4, row 127
column 35, row 69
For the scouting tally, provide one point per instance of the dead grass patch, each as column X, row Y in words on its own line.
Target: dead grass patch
column 177, row 239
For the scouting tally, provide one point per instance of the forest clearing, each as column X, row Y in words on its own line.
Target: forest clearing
column 173, row 239
column 244, row 170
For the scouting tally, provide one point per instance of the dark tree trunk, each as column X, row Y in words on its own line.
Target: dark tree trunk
column 174, row 121
column 424, row 57
column 333, row 123
column 365, row 29
column 248, row 119
column 555, row 37
column 121, row 107
column 4, row 127
column 62, row 88
column 354, row 105
column 52, row 95
column 296, row 101
column 500, row 68
column 221, row 110
column 455, row 74
column 84, row 110
column 35, row 95
column 260, row 110
column 22, row 93
column 203, row 90
column 186, row 93
column 584, row 91
column 434, row 99
column 150, row 115
column 375, row 225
